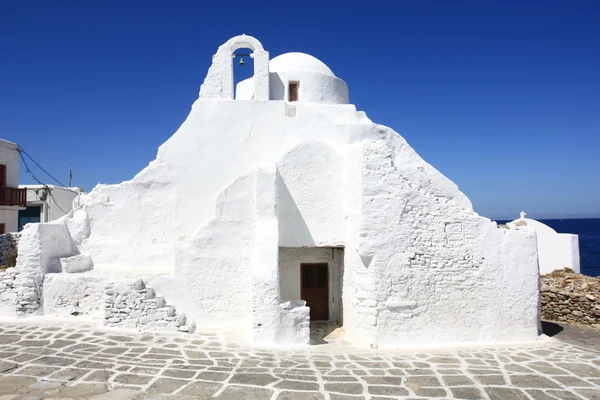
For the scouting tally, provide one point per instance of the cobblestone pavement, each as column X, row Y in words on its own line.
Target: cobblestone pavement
column 66, row 361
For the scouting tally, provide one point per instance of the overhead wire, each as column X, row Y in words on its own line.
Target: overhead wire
column 48, row 189
column 22, row 150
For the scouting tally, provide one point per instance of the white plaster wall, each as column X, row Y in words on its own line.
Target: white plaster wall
column 140, row 221
column 10, row 217
column 8, row 292
column 435, row 265
column 555, row 250
column 294, row 323
column 212, row 277
column 9, row 156
column 244, row 90
column 310, row 196
column 358, row 280
column 313, row 87
column 65, row 294
column 290, row 259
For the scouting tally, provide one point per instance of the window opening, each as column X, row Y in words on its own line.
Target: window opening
column 293, row 91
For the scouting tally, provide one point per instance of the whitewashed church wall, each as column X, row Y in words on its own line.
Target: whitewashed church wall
column 136, row 224
column 420, row 267
column 431, row 264
column 358, row 279
column 310, row 196
column 212, row 277
column 264, row 270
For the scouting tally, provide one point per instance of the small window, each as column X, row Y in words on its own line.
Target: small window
column 293, row 91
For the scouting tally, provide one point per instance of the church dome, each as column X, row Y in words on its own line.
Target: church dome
column 299, row 62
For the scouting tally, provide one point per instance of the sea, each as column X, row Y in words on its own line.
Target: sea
column 588, row 230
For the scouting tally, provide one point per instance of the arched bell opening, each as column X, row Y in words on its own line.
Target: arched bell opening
column 243, row 69
column 219, row 82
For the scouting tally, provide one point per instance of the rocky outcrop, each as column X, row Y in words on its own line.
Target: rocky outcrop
column 571, row 298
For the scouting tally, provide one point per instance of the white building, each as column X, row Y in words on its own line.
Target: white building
column 12, row 199
column 555, row 250
column 47, row 203
column 287, row 194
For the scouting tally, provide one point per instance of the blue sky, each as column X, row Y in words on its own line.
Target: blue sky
column 503, row 97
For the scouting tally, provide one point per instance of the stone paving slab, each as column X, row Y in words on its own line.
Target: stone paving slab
column 66, row 361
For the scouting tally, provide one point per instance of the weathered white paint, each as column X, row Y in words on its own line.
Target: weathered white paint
column 9, row 156
column 241, row 180
column 555, row 250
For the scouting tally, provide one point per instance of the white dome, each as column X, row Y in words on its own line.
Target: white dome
column 298, row 62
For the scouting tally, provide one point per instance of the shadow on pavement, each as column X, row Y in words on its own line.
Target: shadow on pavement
column 551, row 328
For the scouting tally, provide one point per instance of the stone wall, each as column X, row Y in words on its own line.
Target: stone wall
column 17, row 297
column 571, row 298
column 8, row 243
column 8, row 291
column 134, row 306
column 74, row 294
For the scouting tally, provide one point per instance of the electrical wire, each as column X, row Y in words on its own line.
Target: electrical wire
column 49, row 191
column 22, row 150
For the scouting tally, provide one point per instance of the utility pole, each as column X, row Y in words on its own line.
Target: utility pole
column 70, row 175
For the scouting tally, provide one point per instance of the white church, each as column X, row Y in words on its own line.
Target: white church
column 278, row 207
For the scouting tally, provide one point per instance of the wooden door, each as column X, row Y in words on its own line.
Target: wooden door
column 315, row 290
column 2, row 175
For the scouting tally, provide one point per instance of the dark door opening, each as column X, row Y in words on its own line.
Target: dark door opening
column 31, row 214
column 314, row 290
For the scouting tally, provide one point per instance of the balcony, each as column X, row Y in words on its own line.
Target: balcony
column 13, row 196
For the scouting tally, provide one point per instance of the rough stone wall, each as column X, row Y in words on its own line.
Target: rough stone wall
column 41, row 247
column 434, row 279
column 73, row 294
column 134, row 306
column 18, row 296
column 570, row 297
column 8, row 243
column 8, row 291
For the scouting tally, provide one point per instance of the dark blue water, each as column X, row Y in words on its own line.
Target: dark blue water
column 589, row 240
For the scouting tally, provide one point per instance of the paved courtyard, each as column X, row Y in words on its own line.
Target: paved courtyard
column 66, row 361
